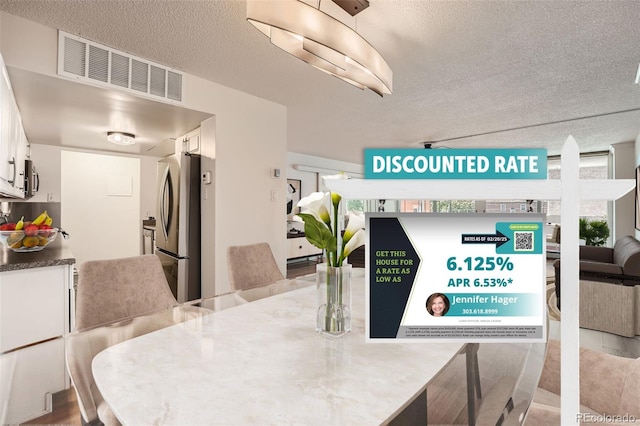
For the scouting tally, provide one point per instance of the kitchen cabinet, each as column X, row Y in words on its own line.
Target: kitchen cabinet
column 190, row 142
column 34, row 317
column 14, row 147
column 300, row 247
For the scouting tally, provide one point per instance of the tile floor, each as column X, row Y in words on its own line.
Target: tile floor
column 628, row 347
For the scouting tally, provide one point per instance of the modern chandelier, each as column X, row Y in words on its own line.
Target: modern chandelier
column 322, row 41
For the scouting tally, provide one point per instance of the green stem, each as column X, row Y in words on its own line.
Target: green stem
column 327, row 313
column 335, row 235
column 339, row 273
column 333, row 316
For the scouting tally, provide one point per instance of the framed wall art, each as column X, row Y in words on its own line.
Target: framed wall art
column 293, row 196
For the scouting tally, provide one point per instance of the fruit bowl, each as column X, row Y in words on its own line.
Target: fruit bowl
column 20, row 242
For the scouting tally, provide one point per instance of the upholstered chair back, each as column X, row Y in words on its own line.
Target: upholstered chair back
column 109, row 290
column 609, row 384
column 252, row 266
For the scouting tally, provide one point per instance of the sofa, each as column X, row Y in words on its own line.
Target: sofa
column 618, row 265
column 610, row 307
column 609, row 385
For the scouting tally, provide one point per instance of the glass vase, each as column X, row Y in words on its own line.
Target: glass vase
column 333, row 292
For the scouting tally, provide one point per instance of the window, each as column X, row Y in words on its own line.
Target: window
column 438, row 206
column 355, row 205
column 593, row 166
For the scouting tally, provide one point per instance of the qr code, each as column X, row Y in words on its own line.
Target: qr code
column 523, row 241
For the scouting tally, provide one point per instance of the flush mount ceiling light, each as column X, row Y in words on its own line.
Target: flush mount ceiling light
column 121, row 138
column 322, row 41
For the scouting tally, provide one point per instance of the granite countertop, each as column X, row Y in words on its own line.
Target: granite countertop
column 56, row 253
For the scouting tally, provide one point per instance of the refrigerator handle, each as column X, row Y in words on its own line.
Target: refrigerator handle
column 166, row 203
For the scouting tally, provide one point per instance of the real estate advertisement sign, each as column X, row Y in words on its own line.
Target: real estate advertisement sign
column 455, row 163
column 456, row 277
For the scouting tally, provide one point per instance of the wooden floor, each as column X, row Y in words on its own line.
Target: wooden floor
column 66, row 411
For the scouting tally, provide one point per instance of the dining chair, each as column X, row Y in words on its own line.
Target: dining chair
column 119, row 288
column 252, row 265
column 109, row 291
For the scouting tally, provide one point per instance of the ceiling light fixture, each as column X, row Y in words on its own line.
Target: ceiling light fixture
column 121, row 138
column 322, row 41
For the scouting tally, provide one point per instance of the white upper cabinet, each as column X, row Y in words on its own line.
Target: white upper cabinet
column 190, row 142
column 6, row 130
column 14, row 147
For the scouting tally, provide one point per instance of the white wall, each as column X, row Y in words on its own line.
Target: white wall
column 324, row 166
column 250, row 140
column 623, row 209
column 101, row 205
column 208, row 207
column 48, row 161
column 148, row 179
column 636, row 164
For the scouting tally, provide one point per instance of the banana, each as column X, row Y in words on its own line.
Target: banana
column 20, row 224
column 38, row 221
column 48, row 221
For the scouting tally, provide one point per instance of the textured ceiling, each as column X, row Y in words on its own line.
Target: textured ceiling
column 466, row 73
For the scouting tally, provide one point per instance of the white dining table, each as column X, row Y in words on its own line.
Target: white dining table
column 263, row 363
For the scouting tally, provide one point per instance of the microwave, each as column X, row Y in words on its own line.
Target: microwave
column 31, row 179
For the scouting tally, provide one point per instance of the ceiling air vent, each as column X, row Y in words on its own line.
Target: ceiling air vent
column 95, row 64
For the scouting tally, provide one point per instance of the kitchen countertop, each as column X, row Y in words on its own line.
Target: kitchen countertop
column 56, row 253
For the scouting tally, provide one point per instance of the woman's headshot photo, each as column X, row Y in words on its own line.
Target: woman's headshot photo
column 438, row 304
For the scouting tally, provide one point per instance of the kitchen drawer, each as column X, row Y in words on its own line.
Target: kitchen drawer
column 300, row 247
column 32, row 306
column 296, row 247
column 28, row 379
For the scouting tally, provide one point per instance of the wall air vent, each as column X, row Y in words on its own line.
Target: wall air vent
column 95, row 64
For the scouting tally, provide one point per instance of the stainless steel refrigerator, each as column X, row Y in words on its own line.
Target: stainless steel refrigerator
column 178, row 224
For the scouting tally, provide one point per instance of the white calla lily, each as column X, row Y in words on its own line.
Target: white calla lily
column 322, row 226
column 316, row 205
column 356, row 222
column 335, row 199
column 356, row 241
